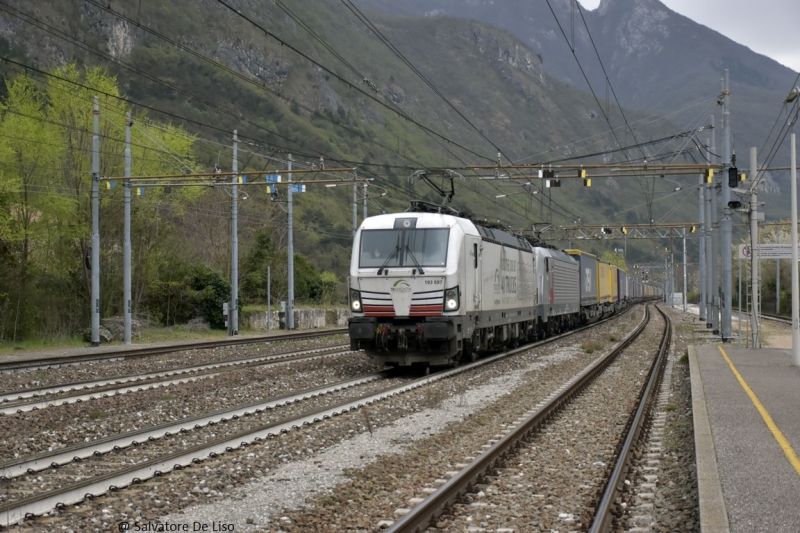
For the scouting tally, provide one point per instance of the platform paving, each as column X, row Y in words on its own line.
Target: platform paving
column 747, row 444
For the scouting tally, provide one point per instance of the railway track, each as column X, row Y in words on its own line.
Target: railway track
column 776, row 318
column 136, row 353
column 452, row 493
column 40, row 398
column 116, row 475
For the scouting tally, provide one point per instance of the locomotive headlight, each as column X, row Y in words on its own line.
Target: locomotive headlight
column 451, row 299
column 355, row 300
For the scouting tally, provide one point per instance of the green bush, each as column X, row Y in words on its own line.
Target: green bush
column 185, row 291
column 208, row 291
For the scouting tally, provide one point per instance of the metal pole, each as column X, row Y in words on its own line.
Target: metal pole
column 684, row 270
column 290, row 252
column 715, row 301
column 709, row 289
column 365, row 201
column 269, row 299
column 672, row 277
column 778, row 279
column 740, row 299
column 795, row 276
column 126, row 247
column 727, row 234
column 355, row 208
column 666, row 282
column 233, row 308
column 96, row 224
column 754, row 289
column 702, row 247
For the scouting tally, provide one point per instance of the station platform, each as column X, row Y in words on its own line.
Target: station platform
column 746, row 407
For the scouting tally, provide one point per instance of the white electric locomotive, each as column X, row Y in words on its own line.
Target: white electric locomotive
column 429, row 288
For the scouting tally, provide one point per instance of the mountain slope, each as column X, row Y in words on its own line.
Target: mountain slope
column 656, row 59
column 221, row 72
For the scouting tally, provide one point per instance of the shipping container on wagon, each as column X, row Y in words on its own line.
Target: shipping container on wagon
column 604, row 284
column 588, row 276
column 614, row 280
column 625, row 286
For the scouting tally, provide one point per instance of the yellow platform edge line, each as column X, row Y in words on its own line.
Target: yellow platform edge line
column 777, row 433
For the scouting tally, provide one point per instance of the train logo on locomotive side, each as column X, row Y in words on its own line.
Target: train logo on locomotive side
column 505, row 277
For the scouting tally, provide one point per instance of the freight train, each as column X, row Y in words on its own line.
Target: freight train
column 432, row 288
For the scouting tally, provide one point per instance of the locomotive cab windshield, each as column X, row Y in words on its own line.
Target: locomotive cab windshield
column 403, row 247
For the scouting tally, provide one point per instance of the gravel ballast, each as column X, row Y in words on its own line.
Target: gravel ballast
column 351, row 472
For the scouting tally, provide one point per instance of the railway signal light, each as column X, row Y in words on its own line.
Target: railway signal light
column 709, row 175
column 733, row 177
column 624, row 230
column 547, row 174
column 693, row 229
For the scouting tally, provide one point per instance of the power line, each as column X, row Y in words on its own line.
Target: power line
column 354, row 87
column 363, row 18
column 381, row 37
column 361, row 76
column 26, row 17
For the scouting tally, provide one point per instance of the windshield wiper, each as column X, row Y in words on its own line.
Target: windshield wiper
column 394, row 252
column 411, row 254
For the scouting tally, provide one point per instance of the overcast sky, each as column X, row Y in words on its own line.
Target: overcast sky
column 769, row 27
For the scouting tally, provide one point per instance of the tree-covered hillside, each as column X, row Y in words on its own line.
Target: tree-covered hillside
column 385, row 95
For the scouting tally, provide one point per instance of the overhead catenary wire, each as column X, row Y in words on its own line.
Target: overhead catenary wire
column 157, row 81
column 784, row 131
column 205, row 125
column 376, row 31
column 353, row 69
column 591, row 89
column 50, row 29
column 113, row 96
column 349, row 84
column 255, row 24
column 172, row 87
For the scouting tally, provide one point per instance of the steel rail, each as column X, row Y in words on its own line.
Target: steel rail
column 604, row 514
column 423, row 514
column 73, row 493
column 776, row 318
column 63, row 360
column 66, row 455
column 120, row 384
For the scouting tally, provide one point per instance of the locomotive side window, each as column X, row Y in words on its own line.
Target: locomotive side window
column 475, row 253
